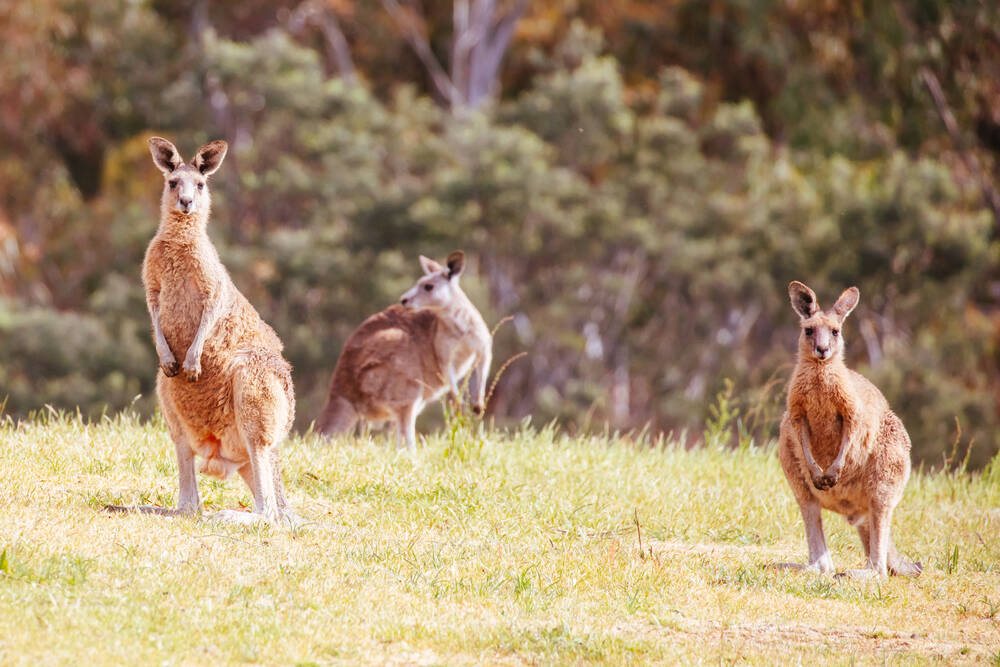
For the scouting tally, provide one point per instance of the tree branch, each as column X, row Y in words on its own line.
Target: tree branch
column 462, row 42
column 968, row 157
column 314, row 12
column 491, row 51
column 422, row 48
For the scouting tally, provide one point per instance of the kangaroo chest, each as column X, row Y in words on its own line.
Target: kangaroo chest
column 187, row 280
column 826, row 428
column 462, row 363
column 454, row 354
column 823, row 409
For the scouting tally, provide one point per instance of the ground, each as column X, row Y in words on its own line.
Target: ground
column 482, row 546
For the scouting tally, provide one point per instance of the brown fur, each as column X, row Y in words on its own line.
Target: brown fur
column 399, row 360
column 859, row 449
column 233, row 401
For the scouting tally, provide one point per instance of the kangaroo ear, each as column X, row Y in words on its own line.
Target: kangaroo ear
column 803, row 299
column 209, row 157
column 429, row 265
column 847, row 302
column 456, row 264
column 165, row 155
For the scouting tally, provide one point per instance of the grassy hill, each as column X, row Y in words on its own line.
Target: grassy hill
column 481, row 546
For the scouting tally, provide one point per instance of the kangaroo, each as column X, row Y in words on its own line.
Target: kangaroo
column 399, row 360
column 230, row 402
column 841, row 447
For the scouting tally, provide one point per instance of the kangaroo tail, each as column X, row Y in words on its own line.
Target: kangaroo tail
column 338, row 416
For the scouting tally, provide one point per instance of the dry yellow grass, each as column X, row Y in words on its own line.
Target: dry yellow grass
column 481, row 546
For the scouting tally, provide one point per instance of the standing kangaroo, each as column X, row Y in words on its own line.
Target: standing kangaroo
column 403, row 358
column 231, row 400
column 842, row 448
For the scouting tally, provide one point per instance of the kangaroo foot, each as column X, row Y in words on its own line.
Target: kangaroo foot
column 284, row 519
column 905, row 568
column 864, row 574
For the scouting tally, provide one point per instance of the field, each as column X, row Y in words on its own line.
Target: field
column 482, row 546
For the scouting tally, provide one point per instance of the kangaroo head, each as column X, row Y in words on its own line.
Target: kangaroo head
column 185, row 187
column 439, row 286
column 820, row 338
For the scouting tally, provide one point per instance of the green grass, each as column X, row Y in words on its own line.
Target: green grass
column 482, row 546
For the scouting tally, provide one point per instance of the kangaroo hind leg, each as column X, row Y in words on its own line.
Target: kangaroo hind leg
column 263, row 414
column 188, row 501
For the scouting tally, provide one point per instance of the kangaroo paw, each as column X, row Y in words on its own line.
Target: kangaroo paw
column 192, row 371
column 825, row 481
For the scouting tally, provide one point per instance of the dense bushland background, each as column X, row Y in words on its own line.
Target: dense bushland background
column 636, row 182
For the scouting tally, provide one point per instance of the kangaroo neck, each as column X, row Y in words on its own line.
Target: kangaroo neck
column 460, row 317
column 177, row 226
column 830, row 371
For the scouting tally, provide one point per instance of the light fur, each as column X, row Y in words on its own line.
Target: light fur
column 841, row 447
column 403, row 358
column 231, row 401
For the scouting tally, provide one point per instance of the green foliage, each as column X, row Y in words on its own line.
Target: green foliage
column 74, row 359
column 640, row 228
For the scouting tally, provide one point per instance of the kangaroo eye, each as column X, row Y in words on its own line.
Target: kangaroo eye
column 809, row 331
column 428, row 288
column 173, row 184
column 201, row 186
column 835, row 332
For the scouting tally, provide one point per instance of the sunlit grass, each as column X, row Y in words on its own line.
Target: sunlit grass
column 482, row 546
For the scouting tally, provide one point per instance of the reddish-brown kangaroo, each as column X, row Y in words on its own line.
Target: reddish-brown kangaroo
column 842, row 448
column 230, row 402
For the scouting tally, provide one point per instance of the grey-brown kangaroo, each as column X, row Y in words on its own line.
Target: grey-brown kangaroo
column 399, row 360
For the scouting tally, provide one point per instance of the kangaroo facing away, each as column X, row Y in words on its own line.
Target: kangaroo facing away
column 399, row 360
column 230, row 402
column 841, row 447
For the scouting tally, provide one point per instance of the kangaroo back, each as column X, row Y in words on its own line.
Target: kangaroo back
column 386, row 363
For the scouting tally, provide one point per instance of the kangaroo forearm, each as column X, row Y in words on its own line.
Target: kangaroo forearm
column 807, row 450
column 482, row 375
column 210, row 314
column 845, row 441
column 453, row 382
column 198, row 344
column 159, row 340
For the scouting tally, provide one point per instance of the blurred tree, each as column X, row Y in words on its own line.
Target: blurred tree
column 637, row 199
column 482, row 32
